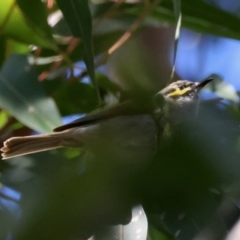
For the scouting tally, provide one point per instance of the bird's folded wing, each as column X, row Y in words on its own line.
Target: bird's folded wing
column 125, row 108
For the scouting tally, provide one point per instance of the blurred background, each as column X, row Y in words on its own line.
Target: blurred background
column 60, row 61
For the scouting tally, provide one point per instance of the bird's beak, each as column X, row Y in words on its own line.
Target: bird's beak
column 203, row 83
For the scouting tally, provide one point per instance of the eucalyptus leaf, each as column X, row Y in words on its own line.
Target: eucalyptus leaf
column 199, row 16
column 227, row 91
column 11, row 16
column 3, row 44
column 30, row 10
column 78, row 17
column 16, row 47
column 223, row 89
column 72, row 97
column 205, row 18
column 3, row 118
column 159, row 234
column 102, row 42
column 23, row 96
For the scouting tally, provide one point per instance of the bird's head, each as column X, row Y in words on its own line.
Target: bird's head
column 183, row 92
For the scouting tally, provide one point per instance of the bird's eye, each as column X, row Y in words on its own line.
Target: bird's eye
column 181, row 87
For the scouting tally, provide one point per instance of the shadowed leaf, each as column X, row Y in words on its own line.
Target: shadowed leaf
column 23, row 96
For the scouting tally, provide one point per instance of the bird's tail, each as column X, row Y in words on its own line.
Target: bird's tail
column 17, row 146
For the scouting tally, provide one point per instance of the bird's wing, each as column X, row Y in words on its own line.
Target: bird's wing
column 125, row 108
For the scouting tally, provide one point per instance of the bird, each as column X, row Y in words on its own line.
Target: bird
column 125, row 131
column 183, row 92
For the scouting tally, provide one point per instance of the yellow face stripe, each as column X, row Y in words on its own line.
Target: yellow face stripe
column 179, row 92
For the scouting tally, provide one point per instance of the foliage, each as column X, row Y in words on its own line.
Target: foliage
column 42, row 77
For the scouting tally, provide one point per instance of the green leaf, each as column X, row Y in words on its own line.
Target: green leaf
column 13, row 24
column 3, row 118
column 199, row 16
column 159, row 234
column 3, row 44
column 223, row 89
column 16, row 47
column 36, row 16
column 102, row 42
column 81, row 98
column 202, row 17
column 23, row 96
column 78, row 17
column 105, row 83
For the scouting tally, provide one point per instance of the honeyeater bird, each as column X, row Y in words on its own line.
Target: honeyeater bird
column 125, row 130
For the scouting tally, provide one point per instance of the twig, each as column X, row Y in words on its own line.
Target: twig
column 109, row 12
column 129, row 33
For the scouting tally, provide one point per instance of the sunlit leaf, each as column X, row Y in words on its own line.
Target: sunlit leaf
column 30, row 10
column 3, row 118
column 11, row 16
column 223, row 89
column 16, row 47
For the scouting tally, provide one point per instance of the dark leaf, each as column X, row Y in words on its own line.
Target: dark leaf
column 36, row 16
column 78, row 17
column 23, row 96
column 72, row 96
column 199, row 16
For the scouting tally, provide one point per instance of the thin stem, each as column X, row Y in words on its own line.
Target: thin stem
column 129, row 33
